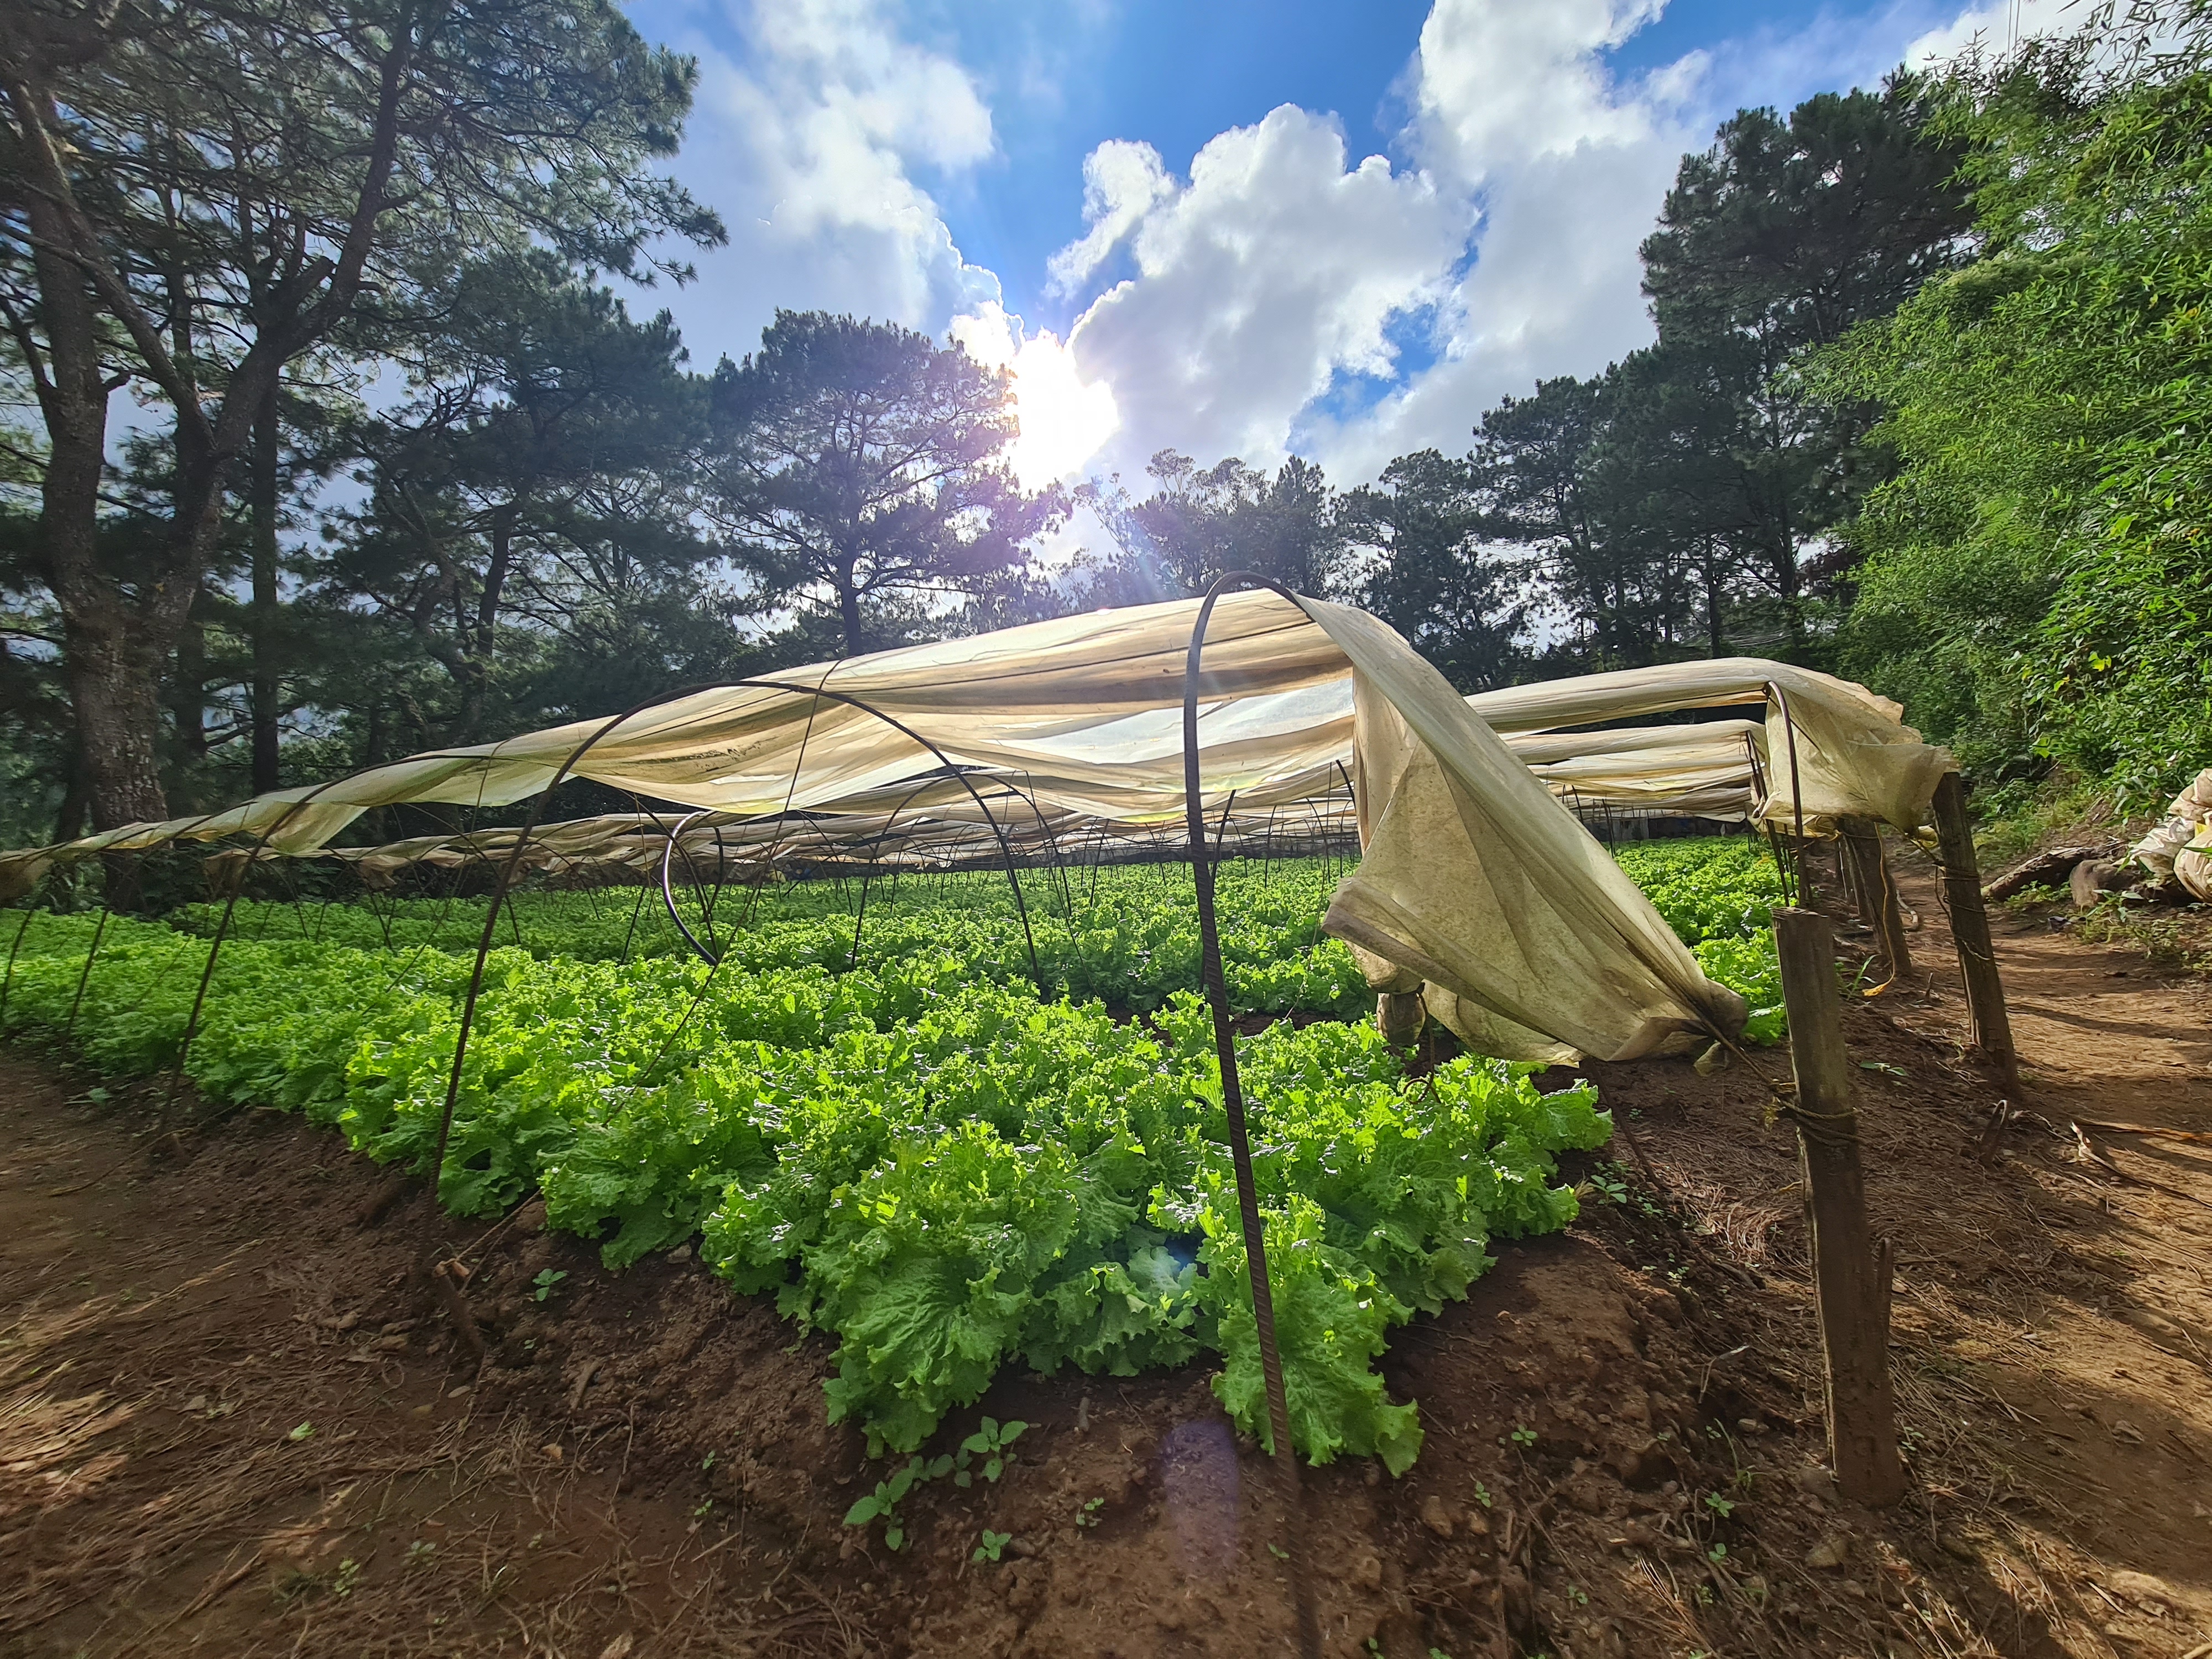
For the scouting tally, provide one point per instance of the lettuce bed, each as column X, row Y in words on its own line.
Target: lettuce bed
column 946, row 1175
column 917, row 1155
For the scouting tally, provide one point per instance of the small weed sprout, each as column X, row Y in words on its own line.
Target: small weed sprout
column 1482, row 1494
column 883, row 1502
column 1088, row 1514
column 1719, row 1505
column 547, row 1281
column 1523, row 1436
column 993, row 1542
column 989, row 1443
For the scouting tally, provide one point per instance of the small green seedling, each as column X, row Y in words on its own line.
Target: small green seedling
column 1883, row 1067
column 1088, row 1514
column 1482, row 1494
column 419, row 1552
column 1524, row 1437
column 546, row 1281
column 1719, row 1505
column 883, row 1502
column 988, row 1443
column 304, row 1431
column 348, row 1573
column 993, row 1543
column 1718, row 1552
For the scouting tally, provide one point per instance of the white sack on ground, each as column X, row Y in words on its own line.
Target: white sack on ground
column 2181, row 844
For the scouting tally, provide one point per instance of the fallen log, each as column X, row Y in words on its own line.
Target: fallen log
column 2048, row 869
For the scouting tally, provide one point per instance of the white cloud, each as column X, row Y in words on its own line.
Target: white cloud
column 1279, row 273
column 1121, row 183
column 1997, row 27
column 1275, row 269
column 808, row 141
column 1500, row 82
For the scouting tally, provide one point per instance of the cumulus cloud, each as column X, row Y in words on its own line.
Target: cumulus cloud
column 809, row 139
column 1499, row 83
column 1121, row 183
column 1281, row 275
column 1275, row 268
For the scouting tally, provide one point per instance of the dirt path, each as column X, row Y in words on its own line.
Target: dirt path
column 234, row 1420
column 2052, row 1330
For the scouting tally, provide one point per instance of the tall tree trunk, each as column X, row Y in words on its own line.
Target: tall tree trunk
column 188, row 695
column 849, row 612
column 114, row 686
column 1715, row 646
column 263, row 694
column 68, row 822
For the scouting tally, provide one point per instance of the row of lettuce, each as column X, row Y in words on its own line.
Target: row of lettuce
column 917, row 1154
column 1125, row 936
column 948, row 1176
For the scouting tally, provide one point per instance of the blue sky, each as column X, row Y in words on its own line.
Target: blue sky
column 1240, row 226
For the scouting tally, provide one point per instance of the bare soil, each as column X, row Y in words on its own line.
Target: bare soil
column 234, row 1419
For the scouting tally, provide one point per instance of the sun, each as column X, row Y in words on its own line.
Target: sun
column 1065, row 419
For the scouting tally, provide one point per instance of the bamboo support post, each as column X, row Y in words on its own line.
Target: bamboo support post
column 1970, row 930
column 1876, row 891
column 1850, row 1273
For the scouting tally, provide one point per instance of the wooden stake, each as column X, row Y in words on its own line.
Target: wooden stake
column 1850, row 1274
column 1970, row 928
column 1877, row 892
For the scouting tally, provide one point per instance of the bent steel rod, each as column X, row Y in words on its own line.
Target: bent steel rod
column 712, row 958
column 1232, row 1101
column 8, row 982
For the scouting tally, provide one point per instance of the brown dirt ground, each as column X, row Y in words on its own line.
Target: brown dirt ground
column 643, row 1469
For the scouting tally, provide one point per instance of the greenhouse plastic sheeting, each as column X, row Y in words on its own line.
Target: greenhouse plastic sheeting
column 2180, row 845
column 1474, row 880
column 1531, row 942
column 1854, row 754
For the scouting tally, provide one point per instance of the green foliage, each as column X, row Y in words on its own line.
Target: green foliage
column 2036, row 583
column 993, row 1542
column 992, row 1443
column 882, row 1505
column 1718, row 895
